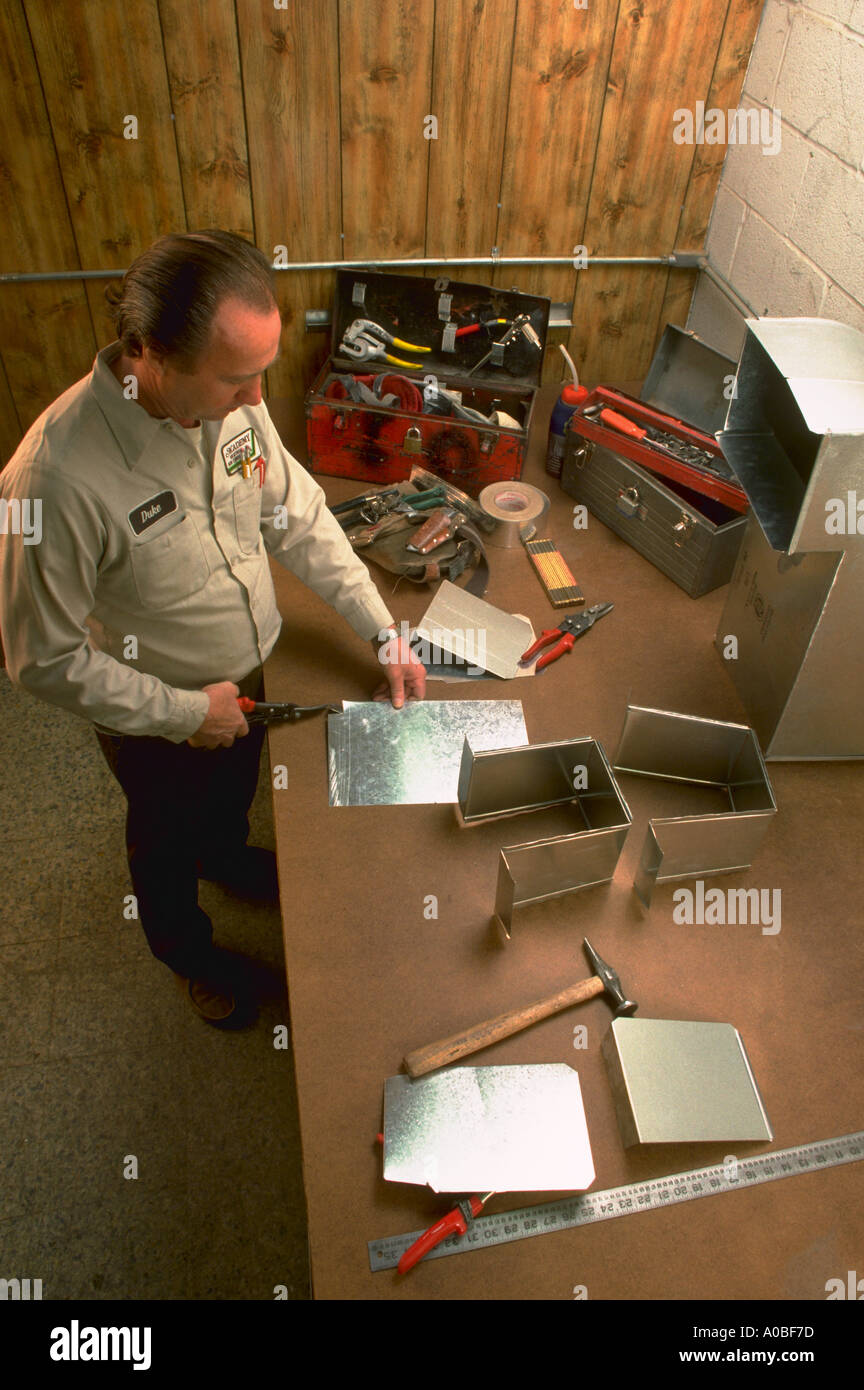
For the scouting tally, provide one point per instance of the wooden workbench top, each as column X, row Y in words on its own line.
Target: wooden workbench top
column 371, row 976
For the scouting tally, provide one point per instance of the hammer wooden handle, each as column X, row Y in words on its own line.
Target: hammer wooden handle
column 438, row 1054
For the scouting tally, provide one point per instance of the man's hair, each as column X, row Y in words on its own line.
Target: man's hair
column 169, row 296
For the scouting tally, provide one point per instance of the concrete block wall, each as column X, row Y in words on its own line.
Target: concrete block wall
column 787, row 228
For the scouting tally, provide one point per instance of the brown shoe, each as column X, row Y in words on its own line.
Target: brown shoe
column 213, row 1000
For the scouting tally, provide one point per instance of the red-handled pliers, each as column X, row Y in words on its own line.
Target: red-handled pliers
column 455, row 1223
column 564, row 635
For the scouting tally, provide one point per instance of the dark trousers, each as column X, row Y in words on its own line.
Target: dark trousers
column 187, row 809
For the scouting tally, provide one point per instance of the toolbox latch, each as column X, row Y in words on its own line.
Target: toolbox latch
column 682, row 529
column 581, row 454
column 630, row 504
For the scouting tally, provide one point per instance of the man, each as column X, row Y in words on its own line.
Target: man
column 147, row 605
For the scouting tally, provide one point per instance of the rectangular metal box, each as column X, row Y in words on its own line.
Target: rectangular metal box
column 690, row 536
column 789, row 633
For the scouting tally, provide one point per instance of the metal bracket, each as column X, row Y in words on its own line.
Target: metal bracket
column 574, row 775
column 358, row 294
column 707, row 752
column 561, row 314
column 448, row 338
column 317, row 318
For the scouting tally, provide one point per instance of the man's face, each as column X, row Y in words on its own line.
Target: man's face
column 243, row 344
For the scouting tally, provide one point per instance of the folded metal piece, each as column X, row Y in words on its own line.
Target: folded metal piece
column 475, row 631
column 475, row 1129
column 679, row 1082
column 573, row 774
column 709, row 752
column 381, row 756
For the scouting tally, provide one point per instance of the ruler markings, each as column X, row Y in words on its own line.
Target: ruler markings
column 651, row 1195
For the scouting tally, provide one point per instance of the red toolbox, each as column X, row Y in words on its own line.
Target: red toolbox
column 420, row 368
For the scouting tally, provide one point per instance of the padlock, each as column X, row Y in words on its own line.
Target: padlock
column 413, row 441
column 628, row 503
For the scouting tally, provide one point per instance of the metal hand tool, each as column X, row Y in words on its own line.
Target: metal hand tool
column 377, row 519
column 521, row 325
column 366, row 341
column 371, row 506
column 455, row 1223
column 666, row 443
column 564, row 635
column 394, row 519
column 365, row 328
column 650, row 1195
column 367, row 349
column 604, row 981
column 476, row 327
column 263, row 713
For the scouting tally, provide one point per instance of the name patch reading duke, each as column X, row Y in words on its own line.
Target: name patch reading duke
column 152, row 511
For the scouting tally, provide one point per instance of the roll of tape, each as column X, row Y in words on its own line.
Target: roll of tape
column 517, row 510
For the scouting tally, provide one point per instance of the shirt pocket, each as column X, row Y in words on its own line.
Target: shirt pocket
column 170, row 567
column 247, row 516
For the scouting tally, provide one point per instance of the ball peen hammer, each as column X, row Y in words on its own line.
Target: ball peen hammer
column 603, row 981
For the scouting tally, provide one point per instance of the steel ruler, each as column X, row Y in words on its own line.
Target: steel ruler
column 589, row 1207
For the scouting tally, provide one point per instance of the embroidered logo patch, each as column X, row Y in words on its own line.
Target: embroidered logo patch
column 242, row 446
column 152, row 511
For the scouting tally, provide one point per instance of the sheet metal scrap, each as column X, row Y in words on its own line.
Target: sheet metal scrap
column 573, row 774
column 381, row 756
column 476, row 632
column 475, row 1129
column 708, row 752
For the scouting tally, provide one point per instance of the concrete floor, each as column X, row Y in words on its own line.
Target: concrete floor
column 101, row 1062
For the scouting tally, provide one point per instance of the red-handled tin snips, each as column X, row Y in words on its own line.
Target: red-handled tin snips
column 560, row 639
column 263, row 713
column 455, row 1223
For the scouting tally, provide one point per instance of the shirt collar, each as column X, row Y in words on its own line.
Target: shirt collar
column 128, row 421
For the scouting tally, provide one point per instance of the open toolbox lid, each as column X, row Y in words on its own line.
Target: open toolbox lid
column 418, row 308
column 687, row 380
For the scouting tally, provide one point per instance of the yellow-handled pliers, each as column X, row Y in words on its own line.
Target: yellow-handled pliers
column 365, row 341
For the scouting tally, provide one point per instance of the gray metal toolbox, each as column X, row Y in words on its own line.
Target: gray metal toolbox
column 691, row 537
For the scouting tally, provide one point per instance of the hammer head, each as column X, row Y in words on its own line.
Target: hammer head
column 611, row 983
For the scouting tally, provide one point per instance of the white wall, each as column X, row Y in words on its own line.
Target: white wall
column 787, row 229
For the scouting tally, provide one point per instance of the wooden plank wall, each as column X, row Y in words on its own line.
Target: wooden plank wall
column 305, row 126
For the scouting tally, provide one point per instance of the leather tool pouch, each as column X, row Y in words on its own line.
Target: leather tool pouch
column 446, row 561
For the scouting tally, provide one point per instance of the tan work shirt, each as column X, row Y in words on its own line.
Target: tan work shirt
column 147, row 576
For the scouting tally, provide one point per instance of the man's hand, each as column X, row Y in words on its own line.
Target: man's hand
column 224, row 720
column 406, row 674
